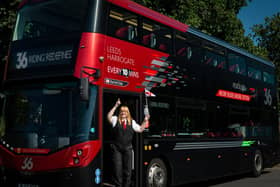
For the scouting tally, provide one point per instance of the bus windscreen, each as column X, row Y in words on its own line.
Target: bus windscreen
column 43, row 19
column 47, row 117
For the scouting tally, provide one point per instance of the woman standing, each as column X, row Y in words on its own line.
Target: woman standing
column 123, row 129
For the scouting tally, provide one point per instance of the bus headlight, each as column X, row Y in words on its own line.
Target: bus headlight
column 79, row 152
column 76, row 160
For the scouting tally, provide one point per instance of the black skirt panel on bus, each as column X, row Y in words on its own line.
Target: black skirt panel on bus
column 122, row 137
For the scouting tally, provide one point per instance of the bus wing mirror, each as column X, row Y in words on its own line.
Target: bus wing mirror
column 84, row 88
column 91, row 74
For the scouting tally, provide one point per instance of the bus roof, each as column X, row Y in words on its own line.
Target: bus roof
column 228, row 46
column 144, row 11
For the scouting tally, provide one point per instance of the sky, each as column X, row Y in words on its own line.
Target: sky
column 256, row 11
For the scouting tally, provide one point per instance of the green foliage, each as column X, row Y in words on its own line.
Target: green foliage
column 214, row 17
column 7, row 21
column 268, row 37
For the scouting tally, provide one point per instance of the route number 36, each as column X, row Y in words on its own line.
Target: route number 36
column 27, row 164
column 267, row 97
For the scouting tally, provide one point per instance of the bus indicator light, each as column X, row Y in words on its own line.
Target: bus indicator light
column 97, row 172
column 92, row 130
column 97, row 180
column 97, row 176
column 147, row 147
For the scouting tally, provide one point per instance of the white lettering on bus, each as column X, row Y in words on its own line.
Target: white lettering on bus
column 23, row 59
column 239, row 86
column 121, row 59
column 114, row 50
column 123, row 72
column 115, row 54
column 27, row 164
column 51, row 56
column 267, row 97
column 113, row 70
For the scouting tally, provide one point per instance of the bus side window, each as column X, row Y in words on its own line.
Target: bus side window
column 237, row 64
column 188, row 48
column 214, row 59
column 268, row 78
column 162, row 122
column 149, row 40
column 181, row 45
column 156, row 36
column 126, row 33
column 122, row 24
column 254, row 73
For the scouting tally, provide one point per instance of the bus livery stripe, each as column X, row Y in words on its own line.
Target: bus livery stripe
column 212, row 145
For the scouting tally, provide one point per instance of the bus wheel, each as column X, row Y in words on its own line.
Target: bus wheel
column 156, row 174
column 257, row 163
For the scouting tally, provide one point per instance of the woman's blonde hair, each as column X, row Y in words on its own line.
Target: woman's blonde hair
column 129, row 118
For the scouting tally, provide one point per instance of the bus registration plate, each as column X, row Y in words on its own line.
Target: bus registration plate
column 28, row 185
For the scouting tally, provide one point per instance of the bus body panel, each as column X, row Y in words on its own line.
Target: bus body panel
column 54, row 169
column 87, row 176
column 193, row 104
column 21, row 160
column 120, row 63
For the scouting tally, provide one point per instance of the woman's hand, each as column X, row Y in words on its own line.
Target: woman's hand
column 118, row 102
column 147, row 118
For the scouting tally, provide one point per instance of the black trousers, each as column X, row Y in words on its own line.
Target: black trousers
column 122, row 165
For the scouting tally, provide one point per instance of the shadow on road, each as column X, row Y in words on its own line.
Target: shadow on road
column 214, row 182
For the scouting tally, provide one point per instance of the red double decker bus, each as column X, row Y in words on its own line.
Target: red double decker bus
column 213, row 106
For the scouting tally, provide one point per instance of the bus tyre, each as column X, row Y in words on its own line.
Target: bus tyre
column 156, row 174
column 257, row 163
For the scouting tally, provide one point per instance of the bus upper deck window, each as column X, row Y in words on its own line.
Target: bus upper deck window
column 268, row 78
column 254, row 73
column 122, row 24
column 237, row 64
column 127, row 33
column 156, row 36
column 149, row 40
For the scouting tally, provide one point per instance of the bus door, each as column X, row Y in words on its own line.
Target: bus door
column 133, row 103
column 240, row 123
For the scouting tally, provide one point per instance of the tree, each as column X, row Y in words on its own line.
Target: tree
column 267, row 36
column 214, row 17
column 7, row 21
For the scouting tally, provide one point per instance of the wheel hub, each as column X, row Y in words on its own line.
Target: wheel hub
column 156, row 176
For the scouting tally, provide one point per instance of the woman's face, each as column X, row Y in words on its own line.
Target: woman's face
column 124, row 112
